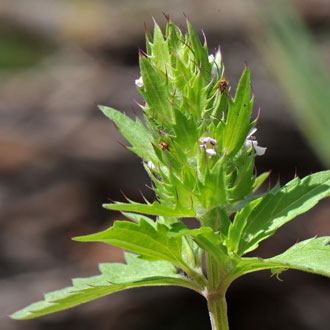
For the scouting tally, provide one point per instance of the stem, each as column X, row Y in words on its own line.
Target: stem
column 216, row 300
column 217, row 306
column 218, row 280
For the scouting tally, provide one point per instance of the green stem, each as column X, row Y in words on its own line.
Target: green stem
column 217, row 306
column 215, row 296
column 217, row 274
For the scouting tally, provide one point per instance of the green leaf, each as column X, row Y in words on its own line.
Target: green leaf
column 152, row 209
column 114, row 277
column 280, row 206
column 311, row 255
column 239, row 113
column 160, row 52
column 200, row 53
column 260, row 180
column 137, row 218
column 213, row 191
column 185, row 132
column 205, row 237
column 237, row 226
column 142, row 238
column 133, row 131
column 155, row 91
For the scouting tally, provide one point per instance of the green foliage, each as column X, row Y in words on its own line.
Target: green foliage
column 114, row 277
column 142, row 238
column 278, row 207
column 198, row 149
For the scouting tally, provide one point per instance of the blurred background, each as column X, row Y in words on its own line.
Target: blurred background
column 60, row 158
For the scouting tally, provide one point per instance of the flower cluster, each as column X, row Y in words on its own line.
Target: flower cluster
column 209, row 144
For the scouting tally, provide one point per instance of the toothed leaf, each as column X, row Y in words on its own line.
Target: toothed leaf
column 133, row 131
column 142, row 238
column 239, row 113
column 114, row 277
column 280, row 206
column 152, row 209
column 311, row 255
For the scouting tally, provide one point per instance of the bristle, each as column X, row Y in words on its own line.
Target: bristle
column 133, row 110
column 137, row 103
column 258, row 115
column 146, row 29
column 252, row 90
column 144, row 198
column 124, row 195
column 295, row 173
column 164, row 118
column 150, row 188
column 167, row 17
column 111, row 200
column 204, row 36
column 123, row 145
column 142, row 53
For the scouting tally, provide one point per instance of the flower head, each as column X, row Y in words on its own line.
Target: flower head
column 139, row 82
column 209, row 144
column 252, row 142
column 151, row 165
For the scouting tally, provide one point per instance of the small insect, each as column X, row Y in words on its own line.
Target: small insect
column 163, row 145
column 223, row 85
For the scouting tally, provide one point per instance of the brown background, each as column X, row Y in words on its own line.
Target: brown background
column 60, row 160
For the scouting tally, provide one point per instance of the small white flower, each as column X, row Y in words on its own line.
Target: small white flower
column 208, row 139
column 211, row 58
column 139, row 82
column 209, row 144
column 151, row 165
column 211, row 152
column 214, row 69
column 252, row 142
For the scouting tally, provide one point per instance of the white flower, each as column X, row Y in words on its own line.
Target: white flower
column 214, row 70
column 151, row 165
column 209, row 144
column 211, row 58
column 208, row 139
column 139, row 82
column 252, row 142
column 211, row 152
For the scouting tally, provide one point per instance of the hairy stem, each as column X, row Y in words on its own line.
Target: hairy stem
column 217, row 306
column 216, row 299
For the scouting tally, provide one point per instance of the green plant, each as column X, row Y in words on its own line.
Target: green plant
column 198, row 148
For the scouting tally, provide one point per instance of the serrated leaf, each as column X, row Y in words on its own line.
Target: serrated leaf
column 311, row 255
column 205, row 237
column 280, row 206
column 185, row 131
column 160, row 52
column 200, row 53
column 114, row 277
column 137, row 218
column 239, row 113
column 152, row 209
column 213, row 192
column 142, row 238
column 133, row 131
column 237, row 226
column 260, row 180
column 155, row 91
